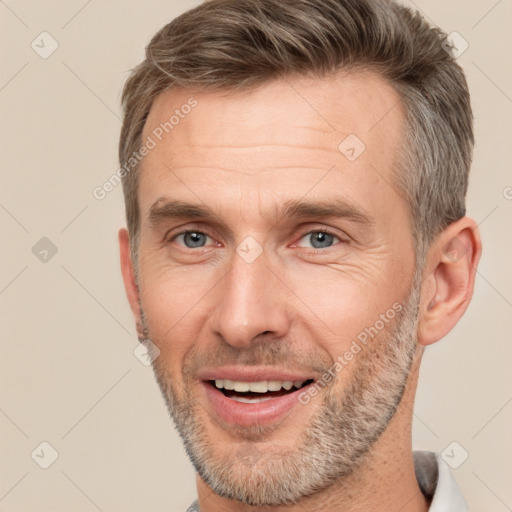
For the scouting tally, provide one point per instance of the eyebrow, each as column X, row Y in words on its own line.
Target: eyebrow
column 164, row 209
column 340, row 208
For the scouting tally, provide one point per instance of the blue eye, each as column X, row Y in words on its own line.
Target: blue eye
column 316, row 240
column 193, row 239
column 320, row 239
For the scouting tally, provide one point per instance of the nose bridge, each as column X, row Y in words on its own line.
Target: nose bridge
column 248, row 301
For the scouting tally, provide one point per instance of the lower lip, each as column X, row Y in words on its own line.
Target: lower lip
column 248, row 415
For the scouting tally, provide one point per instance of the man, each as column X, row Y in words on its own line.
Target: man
column 294, row 175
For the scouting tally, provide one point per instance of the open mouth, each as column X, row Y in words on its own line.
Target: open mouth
column 256, row 392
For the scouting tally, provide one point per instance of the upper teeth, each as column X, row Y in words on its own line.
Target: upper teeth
column 257, row 387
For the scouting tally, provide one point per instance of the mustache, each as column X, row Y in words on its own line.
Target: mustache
column 273, row 353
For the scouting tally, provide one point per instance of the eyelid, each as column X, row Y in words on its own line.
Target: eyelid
column 171, row 234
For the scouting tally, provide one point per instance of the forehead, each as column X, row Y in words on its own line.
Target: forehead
column 275, row 140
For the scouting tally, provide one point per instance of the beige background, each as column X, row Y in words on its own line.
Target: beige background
column 68, row 373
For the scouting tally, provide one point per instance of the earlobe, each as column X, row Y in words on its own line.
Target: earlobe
column 130, row 282
column 448, row 287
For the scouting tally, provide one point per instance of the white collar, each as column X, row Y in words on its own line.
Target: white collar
column 437, row 483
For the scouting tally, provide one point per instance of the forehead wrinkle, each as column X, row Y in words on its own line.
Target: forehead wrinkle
column 247, row 173
column 247, row 164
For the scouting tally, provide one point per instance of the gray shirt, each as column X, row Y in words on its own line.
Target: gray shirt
column 435, row 480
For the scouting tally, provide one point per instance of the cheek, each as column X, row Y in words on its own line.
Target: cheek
column 175, row 310
column 338, row 305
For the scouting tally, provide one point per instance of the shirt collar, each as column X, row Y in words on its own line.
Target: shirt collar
column 437, row 483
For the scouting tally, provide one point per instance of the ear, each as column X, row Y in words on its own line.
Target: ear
column 449, row 280
column 130, row 283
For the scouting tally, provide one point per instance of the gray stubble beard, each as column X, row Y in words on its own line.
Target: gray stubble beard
column 335, row 443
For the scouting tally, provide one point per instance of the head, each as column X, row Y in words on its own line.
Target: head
column 301, row 198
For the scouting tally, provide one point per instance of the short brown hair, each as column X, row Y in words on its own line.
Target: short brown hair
column 240, row 44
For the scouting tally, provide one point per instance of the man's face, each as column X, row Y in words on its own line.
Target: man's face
column 290, row 253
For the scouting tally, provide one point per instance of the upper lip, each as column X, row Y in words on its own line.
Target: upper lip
column 252, row 374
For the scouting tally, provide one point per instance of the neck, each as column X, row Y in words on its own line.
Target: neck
column 386, row 481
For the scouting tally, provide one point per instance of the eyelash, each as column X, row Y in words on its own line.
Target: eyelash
column 311, row 250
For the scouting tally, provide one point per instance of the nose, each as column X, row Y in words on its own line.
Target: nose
column 250, row 301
